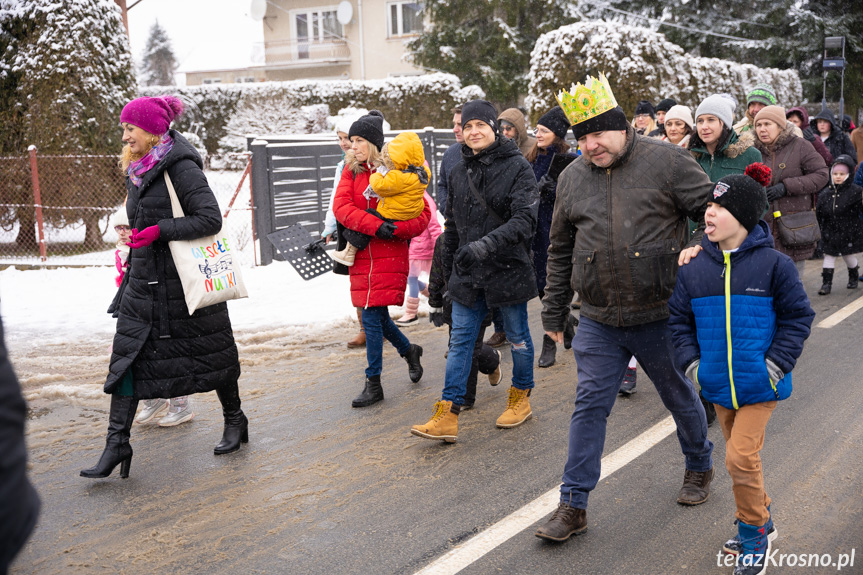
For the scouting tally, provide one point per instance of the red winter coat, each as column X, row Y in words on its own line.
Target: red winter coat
column 379, row 275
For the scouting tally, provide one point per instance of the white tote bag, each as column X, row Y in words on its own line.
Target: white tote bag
column 208, row 269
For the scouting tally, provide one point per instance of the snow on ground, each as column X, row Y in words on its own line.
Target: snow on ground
column 67, row 304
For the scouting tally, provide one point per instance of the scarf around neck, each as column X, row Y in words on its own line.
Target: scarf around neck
column 138, row 168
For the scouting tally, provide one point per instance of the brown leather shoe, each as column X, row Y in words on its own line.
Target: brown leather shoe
column 497, row 339
column 565, row 522
column 360, row 339
column 696, row 487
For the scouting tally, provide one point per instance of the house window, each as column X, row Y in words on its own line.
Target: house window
column 315, row 26
column 404, row 18
column 245, row 79
column 211, row 81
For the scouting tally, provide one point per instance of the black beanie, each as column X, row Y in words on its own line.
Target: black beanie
column 613, row 119
column 370, row 127
column 556, row 121
column 645, row 107
column 479, row 110
column 745, row 198
column 665, row 105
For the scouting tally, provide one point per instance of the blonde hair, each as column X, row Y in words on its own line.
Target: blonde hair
column 127, row 157
column 356, row 167
column 650, row 127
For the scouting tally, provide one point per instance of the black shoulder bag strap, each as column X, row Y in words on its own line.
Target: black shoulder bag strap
column 481, row 201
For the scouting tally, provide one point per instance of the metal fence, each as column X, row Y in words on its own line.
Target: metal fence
column 293, row 178
column 57, row 210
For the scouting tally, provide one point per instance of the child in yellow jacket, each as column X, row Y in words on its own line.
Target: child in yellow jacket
column 399, row 186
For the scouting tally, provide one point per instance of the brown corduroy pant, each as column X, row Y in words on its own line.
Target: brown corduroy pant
column 744, row 437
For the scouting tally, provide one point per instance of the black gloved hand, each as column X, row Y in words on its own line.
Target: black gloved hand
column 466, row 256
column 546, row 187
column 386, row 231
column 776, row 191
column 436, row 316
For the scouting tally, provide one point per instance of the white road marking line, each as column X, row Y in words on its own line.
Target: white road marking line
column 842, row 314
column 482, row 543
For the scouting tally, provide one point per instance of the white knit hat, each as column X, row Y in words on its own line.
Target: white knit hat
column 681, row 113
column 120, row 218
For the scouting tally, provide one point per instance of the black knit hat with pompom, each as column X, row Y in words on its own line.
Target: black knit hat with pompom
column 743, row 194
column 370, row 127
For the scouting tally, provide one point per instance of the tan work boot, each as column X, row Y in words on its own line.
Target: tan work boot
column 442, row 425
column 360, row 339
column 346, row 256
column 517, row 409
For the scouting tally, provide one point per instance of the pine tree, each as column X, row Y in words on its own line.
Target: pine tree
column 65, row 75
column 487, row 43
column 781, row 34
column 158, row 62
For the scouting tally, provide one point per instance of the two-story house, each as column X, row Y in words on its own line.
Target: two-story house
column 305, row 39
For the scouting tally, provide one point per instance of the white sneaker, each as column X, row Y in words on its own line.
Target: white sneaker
column 179, row 411
column 152, row 408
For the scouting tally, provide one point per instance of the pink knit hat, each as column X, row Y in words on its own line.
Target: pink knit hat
column 152, row 114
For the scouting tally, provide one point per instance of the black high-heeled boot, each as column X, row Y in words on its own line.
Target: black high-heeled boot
column 236, row 423
column 117, row 448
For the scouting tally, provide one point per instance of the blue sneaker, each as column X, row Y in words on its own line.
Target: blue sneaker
column 754, row 547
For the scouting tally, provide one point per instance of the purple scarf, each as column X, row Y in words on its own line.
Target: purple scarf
column 138, row 168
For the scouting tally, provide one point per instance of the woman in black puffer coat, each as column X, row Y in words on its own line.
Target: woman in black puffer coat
column 839, row 210
column 160, row 351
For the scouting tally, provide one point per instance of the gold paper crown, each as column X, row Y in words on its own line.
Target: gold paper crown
column 586, row 101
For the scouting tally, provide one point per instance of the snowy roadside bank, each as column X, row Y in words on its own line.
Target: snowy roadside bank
column 68, row 304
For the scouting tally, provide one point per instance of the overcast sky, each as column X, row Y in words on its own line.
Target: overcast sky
column 205, row 34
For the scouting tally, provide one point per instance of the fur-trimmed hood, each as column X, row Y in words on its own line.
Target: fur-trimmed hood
column 734, row 145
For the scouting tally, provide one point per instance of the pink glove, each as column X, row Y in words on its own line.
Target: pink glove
column 143, row 238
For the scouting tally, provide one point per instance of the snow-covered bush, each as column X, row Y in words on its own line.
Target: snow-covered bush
column 302, row 106
column 641, row 65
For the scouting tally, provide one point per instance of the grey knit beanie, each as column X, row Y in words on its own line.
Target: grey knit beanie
column 719, row 106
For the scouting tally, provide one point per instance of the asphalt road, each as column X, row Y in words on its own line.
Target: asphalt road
column 326, row 489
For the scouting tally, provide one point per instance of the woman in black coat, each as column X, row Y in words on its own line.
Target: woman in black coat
column 160, row 351
column 839, row 211
column 549, row 156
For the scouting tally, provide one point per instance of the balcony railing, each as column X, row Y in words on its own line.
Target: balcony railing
column 297, row 52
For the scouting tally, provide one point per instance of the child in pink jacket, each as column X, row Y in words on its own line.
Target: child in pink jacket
column 420, row 257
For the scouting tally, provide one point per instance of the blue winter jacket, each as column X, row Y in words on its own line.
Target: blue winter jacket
column 733, row 310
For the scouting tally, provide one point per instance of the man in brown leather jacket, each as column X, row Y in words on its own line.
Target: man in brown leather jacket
column 618, row 232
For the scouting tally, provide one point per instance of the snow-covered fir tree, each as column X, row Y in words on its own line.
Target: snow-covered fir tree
column 65, row 75
column 487, row 43
column 158, row 62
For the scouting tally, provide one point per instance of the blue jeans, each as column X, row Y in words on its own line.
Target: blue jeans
column 602, row 354
column 466, row 324
column 378, row 325
column 415, row 286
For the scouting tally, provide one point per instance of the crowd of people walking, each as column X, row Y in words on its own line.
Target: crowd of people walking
column 628, row 238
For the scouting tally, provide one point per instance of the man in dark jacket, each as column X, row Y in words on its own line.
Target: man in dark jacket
column 490, row 223
column 19, row 503
column 450, row 158
column 618, row 231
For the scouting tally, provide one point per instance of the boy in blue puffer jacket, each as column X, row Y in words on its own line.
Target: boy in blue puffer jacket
column 739, row 317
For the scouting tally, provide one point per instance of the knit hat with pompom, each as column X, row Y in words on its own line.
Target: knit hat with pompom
column 743, row 194
column 152, row 114
column 370, row 128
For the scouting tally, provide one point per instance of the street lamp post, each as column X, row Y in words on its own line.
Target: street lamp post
column 836, row 63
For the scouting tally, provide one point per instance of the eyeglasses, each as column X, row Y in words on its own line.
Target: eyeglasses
column 119, row 229
column 540, row 130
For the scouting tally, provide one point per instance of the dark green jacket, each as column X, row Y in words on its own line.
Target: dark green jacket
column 737, row 153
